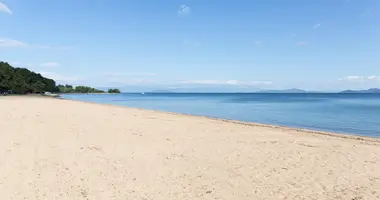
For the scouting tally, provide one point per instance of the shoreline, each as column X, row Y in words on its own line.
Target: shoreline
column 67, row 149
column 254, row 124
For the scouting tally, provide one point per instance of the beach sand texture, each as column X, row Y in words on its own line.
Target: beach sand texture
column 61, row 149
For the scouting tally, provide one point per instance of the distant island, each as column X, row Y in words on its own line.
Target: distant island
column 23, row 81
column 83, row 89
column 371, row 90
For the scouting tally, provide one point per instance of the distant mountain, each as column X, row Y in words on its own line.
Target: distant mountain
column 372, row 90
column 293, row 90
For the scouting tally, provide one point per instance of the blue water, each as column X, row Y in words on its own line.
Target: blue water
column 357, row 114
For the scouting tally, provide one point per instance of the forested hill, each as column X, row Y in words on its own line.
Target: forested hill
column 22, row 81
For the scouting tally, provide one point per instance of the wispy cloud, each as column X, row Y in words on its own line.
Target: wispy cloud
column 11, row 43
column 4, row 8
column 50, row 64
column 184, row 10
column 227, row 82
column 359, row 78
column 316, row 26
column 373, row 77
column 352, row 78
column 6, row 42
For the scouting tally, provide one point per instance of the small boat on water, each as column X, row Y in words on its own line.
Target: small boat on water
column 49, row 94
column 142, row 93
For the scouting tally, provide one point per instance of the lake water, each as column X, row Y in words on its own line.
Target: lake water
column 343, row 113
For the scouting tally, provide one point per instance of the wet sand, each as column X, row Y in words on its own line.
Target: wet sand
column 61, row 149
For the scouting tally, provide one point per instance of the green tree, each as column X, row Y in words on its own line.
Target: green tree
column 38, row 87
column 21, row 80
column 115, row 90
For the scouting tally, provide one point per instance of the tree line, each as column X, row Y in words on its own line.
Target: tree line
column 23, row 81
column 83, row 89
column 77, row 89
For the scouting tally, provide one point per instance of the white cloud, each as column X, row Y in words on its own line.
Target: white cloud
column 4, row 8
column 350, row 78
column 372, row 77
column 359, row 78
column 316, row 26
column 6, row 42
column 227, row 82
column 184, row 10
column 50, row 64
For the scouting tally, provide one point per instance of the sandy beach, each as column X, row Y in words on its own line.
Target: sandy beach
column 61, row 149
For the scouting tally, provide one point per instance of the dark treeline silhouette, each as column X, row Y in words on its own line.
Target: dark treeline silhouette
column 115, row 90
column 23, row 81
column 77, row 89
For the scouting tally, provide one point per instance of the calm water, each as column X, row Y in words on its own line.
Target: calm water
column 345, row 113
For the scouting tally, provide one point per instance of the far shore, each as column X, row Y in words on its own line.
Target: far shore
column 64, row 149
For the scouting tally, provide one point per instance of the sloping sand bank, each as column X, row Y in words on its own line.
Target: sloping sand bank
column 61, row 149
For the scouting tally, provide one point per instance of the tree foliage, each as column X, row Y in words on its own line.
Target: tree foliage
column 22, row 81
column 115, row 90
column 78, row 89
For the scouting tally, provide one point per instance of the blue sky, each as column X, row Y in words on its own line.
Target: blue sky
column 233, row 45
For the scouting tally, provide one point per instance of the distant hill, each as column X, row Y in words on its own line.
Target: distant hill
column 372, row 90
column 293, row 90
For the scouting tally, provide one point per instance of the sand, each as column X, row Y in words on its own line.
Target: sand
column 61, row 149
